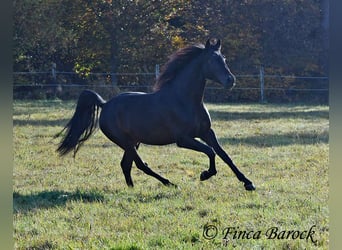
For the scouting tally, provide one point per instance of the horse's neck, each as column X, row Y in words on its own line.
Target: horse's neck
column 190, row 83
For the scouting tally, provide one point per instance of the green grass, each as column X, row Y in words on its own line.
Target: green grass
column 84, row 203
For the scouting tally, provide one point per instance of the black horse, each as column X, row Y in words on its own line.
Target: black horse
column 173, row 113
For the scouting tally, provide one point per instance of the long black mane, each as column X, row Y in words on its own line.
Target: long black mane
column 177, row 62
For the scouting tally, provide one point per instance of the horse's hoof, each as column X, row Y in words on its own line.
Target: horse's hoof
column 249, row 187
column 170, row 184
column 205, row 175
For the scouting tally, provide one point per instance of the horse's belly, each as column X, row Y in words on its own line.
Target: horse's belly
column 157, row 141
column 153, row 133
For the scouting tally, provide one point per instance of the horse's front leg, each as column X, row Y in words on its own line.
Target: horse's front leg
column 191, row 143
column 211, row 140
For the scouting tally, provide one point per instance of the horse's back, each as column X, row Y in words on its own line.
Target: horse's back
column 139, row 116
column 121, row 106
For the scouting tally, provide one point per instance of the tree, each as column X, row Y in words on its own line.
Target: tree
column 83, row 36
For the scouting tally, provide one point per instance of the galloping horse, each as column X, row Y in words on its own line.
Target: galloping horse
column 173, row 113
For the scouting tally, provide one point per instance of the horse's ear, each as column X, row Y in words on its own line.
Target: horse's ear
column 211, row 43
column 207, row 44
column 217, row 46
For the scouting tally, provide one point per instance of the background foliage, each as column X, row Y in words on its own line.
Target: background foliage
column 82, row 36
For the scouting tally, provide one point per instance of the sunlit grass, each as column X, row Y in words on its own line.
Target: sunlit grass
column 84, row 203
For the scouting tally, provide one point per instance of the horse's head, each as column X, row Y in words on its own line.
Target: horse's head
column 215, row 67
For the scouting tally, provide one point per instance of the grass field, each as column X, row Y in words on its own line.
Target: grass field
column 84, row 203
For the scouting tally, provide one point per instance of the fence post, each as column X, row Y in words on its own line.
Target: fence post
column 262, row 84
column 114, row 79
column 157, row 71
column 53, row 72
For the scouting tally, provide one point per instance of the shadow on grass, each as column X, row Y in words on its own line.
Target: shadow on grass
column 40, row 122
column 49, row 199
column 231, row 116
column 271, row 140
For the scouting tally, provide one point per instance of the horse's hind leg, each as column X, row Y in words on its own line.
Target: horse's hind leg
column 144, row 167
column 126, row 165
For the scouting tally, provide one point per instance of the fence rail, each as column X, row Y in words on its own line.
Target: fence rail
column 260, row 82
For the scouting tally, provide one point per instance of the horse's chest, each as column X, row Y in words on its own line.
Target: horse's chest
column 203, row 124
column 200, row 123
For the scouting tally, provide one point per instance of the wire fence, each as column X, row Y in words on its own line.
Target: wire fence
column 259, row 86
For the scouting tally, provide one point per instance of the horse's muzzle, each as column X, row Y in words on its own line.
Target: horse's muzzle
column 230, row 82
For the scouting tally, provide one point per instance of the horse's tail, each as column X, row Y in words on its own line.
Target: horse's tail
column 83, row 122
